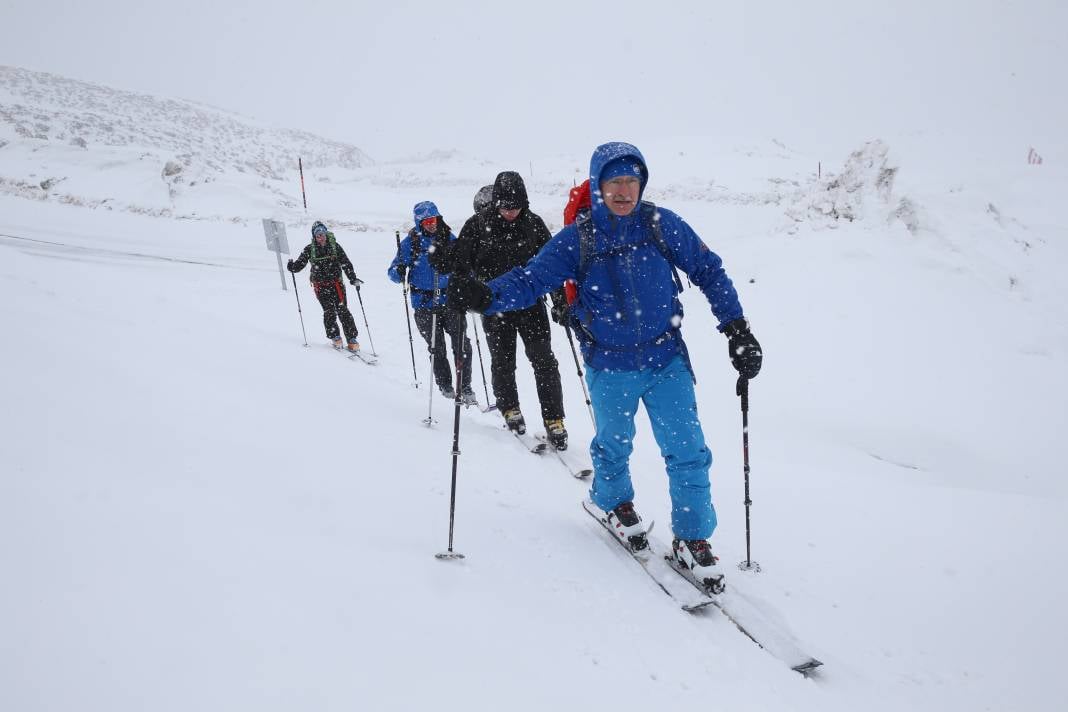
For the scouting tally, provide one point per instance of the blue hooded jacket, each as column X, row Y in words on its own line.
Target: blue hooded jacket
column 421, row 275
column 627, row 314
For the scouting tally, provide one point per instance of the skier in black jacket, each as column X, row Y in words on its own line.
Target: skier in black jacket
column 328, row 260
column 502, row 236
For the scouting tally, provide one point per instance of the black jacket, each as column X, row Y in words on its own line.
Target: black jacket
column 489, row 245
column 327, row 261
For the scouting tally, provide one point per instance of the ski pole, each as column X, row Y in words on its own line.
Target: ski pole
column 433, row 344
column 481, row 367
column 582, row 379
column 408, row 317
column 297, row 295
column 360, row 300
column 743, row 391
column 300, row 165
column 450, row 554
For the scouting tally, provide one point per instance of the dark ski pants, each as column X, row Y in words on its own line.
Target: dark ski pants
column 334, row 300
column 532, row 325
column 455, row 325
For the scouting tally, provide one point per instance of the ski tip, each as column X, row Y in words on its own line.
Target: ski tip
column 696, row 607
column 808, row 667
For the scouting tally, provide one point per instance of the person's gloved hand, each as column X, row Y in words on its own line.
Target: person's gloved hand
column 438, row 255
column 743, row 348
column 356, row 282
column 559, row 313
column 289, row 266
column 402, row 269
column 468, row 294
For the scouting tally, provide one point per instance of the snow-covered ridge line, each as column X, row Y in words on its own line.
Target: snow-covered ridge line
column 87, row 145
column 47, row 107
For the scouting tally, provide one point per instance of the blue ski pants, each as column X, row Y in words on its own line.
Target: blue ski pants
column 669, row 399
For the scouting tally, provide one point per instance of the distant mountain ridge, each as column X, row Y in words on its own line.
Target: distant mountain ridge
column 48, row 107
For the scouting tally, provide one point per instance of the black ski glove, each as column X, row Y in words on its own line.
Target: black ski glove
column 356, row 282
column 289, row 266
column 743, row 348
column 438, row 256
column 468, row 294
column 559, row 313
column 402, row 269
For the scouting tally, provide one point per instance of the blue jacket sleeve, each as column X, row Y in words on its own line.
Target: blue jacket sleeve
column 555, row 263
column 404, row 249
column 703, row 266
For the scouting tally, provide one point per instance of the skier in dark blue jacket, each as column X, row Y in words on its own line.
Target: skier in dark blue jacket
column 427, row 289
column 623, row 254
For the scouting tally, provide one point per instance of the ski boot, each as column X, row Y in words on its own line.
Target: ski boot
column 354, row 345
column 467, row 397
column 448, row 391
column 338, row 343
column 513, row 418
column 628, row 526
column 696, row 556
column 556, row 433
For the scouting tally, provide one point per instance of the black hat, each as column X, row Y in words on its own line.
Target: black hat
column 509, row 192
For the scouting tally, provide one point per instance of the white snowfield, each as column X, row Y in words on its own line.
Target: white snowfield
column 199, row 513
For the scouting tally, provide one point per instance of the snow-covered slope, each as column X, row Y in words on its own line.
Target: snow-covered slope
column 196, row 512
column 154, row 154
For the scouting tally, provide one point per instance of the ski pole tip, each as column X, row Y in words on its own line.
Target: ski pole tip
column 448, row 556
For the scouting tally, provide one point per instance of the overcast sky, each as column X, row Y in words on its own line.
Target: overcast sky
column 398, row 78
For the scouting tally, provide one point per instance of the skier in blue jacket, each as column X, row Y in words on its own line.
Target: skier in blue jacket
column 623, row 254
column 427, row 289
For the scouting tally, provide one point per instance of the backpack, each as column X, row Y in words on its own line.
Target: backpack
column 578, row 199
column 331, row 253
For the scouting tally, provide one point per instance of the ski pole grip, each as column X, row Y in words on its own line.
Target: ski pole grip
column 742, row 389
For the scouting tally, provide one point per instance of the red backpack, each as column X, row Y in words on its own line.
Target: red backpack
column 578, row 199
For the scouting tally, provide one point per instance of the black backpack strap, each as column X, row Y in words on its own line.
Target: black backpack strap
column 417, row 242
column 584, row 225
column 649, row 217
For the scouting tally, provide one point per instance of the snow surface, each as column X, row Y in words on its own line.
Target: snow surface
column 197, row 512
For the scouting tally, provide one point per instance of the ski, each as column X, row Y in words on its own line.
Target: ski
column 737, row 607
column 359, row 356
column 653, row 565
column 568, row 460
column 355, row 355
column 530, row 443
column 752, row 620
